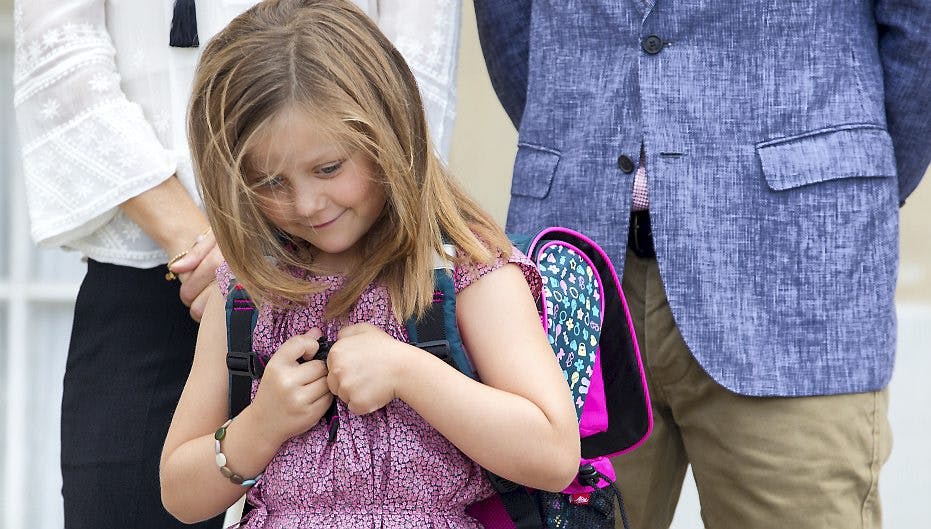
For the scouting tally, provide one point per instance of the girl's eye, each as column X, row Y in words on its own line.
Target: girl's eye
column 270, row 184
column 330, row 169
column 274, row 182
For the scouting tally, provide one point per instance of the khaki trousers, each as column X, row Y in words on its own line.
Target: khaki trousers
column 759, row 463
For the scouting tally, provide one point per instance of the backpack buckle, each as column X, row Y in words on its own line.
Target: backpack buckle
column 245, row 364
column 441, row 350
column 438, row 348
column 589, row 476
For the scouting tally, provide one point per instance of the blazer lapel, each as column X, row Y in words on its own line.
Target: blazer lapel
column 644, row 6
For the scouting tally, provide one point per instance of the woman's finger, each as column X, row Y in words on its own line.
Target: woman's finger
column 195, row 254
column 193, row 283
column 332, row 383
column 311, row 372
column 352, row 330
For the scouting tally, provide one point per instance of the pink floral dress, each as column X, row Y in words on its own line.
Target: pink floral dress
column 387, row 469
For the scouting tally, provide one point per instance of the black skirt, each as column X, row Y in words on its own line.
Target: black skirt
column 131, row 350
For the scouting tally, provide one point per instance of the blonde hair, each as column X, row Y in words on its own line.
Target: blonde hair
column 329, row 57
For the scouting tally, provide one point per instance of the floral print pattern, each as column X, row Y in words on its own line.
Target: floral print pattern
column 387, row 469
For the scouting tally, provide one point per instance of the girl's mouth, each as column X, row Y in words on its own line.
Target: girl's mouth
column 327, row 223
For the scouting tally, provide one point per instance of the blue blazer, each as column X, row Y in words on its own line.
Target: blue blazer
column 780, row 139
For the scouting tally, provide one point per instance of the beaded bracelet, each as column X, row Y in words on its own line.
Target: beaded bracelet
column 221, row 460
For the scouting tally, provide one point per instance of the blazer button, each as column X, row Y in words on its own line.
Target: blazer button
column 653, row 44
column 625, row 164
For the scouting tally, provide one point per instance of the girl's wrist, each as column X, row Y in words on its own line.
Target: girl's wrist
column 222, row 460
column 241, row 449
column 267, row 439
column 407, row 358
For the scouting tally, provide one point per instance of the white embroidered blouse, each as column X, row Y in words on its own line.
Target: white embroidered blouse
column 101, row 99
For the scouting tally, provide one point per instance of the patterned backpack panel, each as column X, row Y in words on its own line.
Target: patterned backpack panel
column 572, row 301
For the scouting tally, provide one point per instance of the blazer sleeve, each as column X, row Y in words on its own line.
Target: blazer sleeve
column 504, row 33
column 86, row 147
column 905, row 50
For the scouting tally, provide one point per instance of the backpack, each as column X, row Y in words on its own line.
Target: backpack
column 590, row 330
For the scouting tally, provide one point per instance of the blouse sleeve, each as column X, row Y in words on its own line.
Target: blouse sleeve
column 224, row 278
column 466, row 274
column 426, row 32
column 86, row 148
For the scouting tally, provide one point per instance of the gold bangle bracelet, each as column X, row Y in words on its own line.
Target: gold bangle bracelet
column 170, row 276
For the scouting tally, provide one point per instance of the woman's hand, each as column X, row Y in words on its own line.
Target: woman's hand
column 197, row 272
column 293, row 396
column 365, row 367
column 168, row 214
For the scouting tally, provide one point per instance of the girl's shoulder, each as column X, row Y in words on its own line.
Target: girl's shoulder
column 468, row 272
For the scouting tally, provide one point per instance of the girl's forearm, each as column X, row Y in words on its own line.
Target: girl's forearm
column 503, row 432
column 193, row 489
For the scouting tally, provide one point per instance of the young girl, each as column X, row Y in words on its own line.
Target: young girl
column 330, row 206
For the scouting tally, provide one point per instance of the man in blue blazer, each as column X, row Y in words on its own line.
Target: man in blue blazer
column 744, row 162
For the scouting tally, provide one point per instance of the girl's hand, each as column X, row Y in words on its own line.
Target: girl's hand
column 365, row 367
column 292, row 396
column 197, row 272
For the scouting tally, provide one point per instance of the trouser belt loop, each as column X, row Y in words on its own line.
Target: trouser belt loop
column 640, row 235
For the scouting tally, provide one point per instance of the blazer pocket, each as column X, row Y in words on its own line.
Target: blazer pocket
column 534, row 168
column 846, row 151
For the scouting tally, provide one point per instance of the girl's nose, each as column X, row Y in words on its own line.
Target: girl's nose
column 308, row 200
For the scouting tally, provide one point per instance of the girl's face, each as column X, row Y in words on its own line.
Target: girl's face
column 316, row 189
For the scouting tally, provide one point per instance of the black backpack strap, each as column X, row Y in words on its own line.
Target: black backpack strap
column 436, row 331
column 241, row 361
